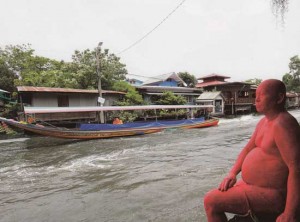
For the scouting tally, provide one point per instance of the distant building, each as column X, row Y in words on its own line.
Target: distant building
column 134, row 82
column 292, row 100
column 153, row 88
column 169, row 79
column 239, row 97
column 65, row 97
column 213, row 98
column 152, row 93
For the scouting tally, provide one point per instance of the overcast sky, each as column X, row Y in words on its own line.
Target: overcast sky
column 237, row 38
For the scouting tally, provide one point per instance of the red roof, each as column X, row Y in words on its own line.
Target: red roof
column 211, row 83
column 62, row 90
column 214, row 75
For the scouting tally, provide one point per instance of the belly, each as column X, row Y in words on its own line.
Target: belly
column 264, row 170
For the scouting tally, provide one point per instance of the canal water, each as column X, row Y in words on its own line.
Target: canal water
column 156, row 177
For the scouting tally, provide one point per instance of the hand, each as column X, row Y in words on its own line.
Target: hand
column 286, row 218
column 227, row 182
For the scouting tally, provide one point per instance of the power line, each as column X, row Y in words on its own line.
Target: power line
column 152, row 30
column 146, row 76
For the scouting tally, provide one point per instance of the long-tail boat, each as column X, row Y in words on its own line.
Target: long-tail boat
column 96, row 131
column 67, row 133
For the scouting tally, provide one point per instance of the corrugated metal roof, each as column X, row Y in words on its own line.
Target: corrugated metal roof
column 63, row 90
column 163, row 77
column 1, row 90
column 178, row 93
column 214, row 75
column 209, row 95
column 211, row 83
column 214, row 83
column 168, row 88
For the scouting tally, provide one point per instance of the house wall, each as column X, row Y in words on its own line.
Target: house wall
column 239, row 98
column 83, row 100
column 43, row 100
column 50, row 100
column 215, row 109
column 74, row 99
column 168, row 83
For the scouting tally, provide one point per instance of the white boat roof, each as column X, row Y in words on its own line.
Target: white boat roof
column 32, row 110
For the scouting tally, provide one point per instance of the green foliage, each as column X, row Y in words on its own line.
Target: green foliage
column 169, row 98
column 122, row 86
column 10, row 110
column 19, row 66
column 7, row 77
column 132, row 97
column 292, row 78
column 172, row 114
column 188, row 78
column 84, row 68
column 127, row 116
column 254, row 81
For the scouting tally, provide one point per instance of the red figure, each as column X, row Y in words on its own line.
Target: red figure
column 269, row 188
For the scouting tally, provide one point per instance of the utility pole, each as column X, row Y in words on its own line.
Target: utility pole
column 101, row 100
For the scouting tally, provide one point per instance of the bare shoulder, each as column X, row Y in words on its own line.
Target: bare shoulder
column 286, row 123
column 285, row 119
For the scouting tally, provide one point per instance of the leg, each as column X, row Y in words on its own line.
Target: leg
column 216, row 203
column 264, row 202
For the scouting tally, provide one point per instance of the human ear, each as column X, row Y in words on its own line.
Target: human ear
column 280, row 99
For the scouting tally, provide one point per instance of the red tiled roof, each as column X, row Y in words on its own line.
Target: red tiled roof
column 214, row 75
column 214, row 83
column 63, row 90
column 211, row 83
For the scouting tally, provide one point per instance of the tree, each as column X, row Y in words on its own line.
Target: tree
column 254, row 81
column 84, row 67
column 292, row 78
column 188, row 78
column 169, row 98
column 30, row 70
column 33, row 70
column 132, row 97
column 7, row 77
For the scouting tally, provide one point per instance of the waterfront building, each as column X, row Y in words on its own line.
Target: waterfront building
column 65, row 97
column 239, row 97
column 153, row 88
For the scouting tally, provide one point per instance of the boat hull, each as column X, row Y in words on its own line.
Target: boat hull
column 101, row 134
column 77, row 134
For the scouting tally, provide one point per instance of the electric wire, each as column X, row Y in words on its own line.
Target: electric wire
column 152, row 30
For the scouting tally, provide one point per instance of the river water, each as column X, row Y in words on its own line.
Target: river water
column 156, row 177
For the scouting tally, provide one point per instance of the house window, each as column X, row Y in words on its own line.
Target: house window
column 243, row 94
column 63, row 101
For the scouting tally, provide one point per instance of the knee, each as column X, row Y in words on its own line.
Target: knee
column 210, row 201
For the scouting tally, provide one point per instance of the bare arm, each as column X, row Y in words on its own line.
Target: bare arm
column 287, row 138
column 230, row 179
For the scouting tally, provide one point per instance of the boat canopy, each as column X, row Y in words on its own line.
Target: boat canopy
column 136, row 125
column 35, row 110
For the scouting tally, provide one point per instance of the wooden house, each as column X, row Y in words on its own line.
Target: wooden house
column 165, row 80
column 213, row 98
column 239, row 97
column 152, row 89
column 64, row 97
column 292, row 100
column 152, row 93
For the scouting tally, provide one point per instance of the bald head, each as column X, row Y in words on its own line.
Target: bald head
column 273, row 86
column 270, row 96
